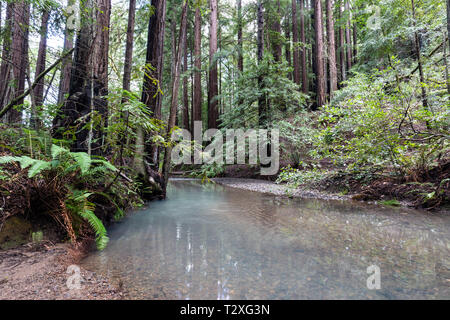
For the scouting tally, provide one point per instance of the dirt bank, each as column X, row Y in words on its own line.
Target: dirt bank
column 39, row 272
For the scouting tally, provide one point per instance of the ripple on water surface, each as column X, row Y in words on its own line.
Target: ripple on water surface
column 213, row 242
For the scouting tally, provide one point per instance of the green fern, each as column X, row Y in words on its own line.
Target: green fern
column 78, row 203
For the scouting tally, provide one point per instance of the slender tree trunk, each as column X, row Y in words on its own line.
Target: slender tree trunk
column 287, row 46
column 128, row 62
column 197, row 105
column 355, row 43
column 320, row 78
column 342, row 48
column 331, row 47
column 239, row 34
column 295, row 51
column 448, row 21
column 38, row 91
column 185, row 87
column 303, row 64
column 213, row 112
column 446, row 63
column 262, row 101
column 276, row 33
column 419, row 58
column 348, row 37
column 175, row 87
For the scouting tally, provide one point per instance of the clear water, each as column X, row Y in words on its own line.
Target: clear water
column 213, row 242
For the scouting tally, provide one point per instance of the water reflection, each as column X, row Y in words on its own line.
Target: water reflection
column 211, row 242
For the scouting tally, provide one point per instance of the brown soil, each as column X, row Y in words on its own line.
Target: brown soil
column 39, row 272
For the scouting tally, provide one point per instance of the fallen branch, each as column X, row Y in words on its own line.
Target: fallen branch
column 35, row 83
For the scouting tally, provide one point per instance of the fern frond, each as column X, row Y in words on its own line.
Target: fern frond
column 56, row 151
column 100, row 231
column 106, row 164
column 38, row 167
column 83, row 160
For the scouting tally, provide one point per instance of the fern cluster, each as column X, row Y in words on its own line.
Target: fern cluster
column 79, row 166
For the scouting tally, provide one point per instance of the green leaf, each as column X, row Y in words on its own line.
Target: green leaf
column 38, row 167
column 56, row 151
column 83, row 161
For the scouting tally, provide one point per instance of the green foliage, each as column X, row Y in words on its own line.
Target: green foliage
column 378, row 122
column 296, row 177
column 64, row 164
column 77, row 202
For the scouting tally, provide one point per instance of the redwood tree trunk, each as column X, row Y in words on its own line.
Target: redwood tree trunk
column 185, row 86
column 213, row 112
column 19, row 54
column 66, row 66
column 262, row 101
column 342, row 48
column 304, row 67
column 175, row 88
column 6, row 67
column 40, row 67
column 89, row 82
column 331, row 47
column 320, row 79
column 128, row 62
column 348, row 37
column 295, row 51
column 239, row 34
column 197, row 101
column 155, row 53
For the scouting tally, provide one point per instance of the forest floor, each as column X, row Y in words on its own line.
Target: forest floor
column 39, row 272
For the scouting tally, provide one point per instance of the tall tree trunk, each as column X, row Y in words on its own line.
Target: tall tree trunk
column 348, row 38
column 287, row 46
column 303, row 64
column 151, row 93
column 262, row 101
column 89, row 81
column 313, row 84
column 185, row 86
column 448, row 21
column 6, row 67
column 239, row 34
column 320, row 78
column 197, row 105
column 342, row 48
column 331, row 47
column 155, row 52
column 295, row 52
column 175, row 87
column 19, row 55
column 419, row 58
column 276, row 33
column 355, row 43
column 128, row 62
column 66, row 66
column 38, row 91
column 213, row 112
